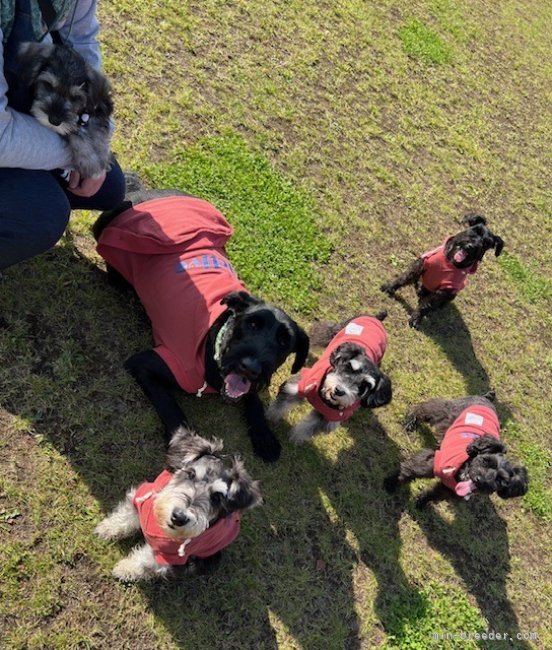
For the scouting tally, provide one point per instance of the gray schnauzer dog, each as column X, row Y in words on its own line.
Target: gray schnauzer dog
column 346, row 377
column 187, row 515
column 471, row 457
column 70, row 97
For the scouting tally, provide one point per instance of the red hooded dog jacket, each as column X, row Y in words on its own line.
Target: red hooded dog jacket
column 167, row 550
column 441, row 274
column 473, row 422
column 366, row 331
column 171, row 250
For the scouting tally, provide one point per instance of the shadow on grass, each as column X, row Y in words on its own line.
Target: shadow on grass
column 65, row 333
column 476, row 544
column 355, row 491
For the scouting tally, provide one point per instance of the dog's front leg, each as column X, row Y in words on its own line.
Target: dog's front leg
column 285, row 400
column 312, row 423
column 419, row 466
column 140, row 565
column 410, row 276
column 156, row 380
column 265, row 444
column 428, row 302
column 122, row 522
column 438, row 492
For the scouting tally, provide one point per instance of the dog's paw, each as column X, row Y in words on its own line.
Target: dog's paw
column 391, row 483
column 298, row 436
column 104, row 530
column 126, row 571
column 273, row 414
column 267, row 447
column 388, row 289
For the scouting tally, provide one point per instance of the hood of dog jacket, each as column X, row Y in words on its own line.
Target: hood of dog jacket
column 366, row 331
column 441, row 274
column 170, row 551
column 171, row 250
column 473, row 422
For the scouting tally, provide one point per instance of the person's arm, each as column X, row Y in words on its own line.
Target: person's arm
column 81, row 31
column 24, row 142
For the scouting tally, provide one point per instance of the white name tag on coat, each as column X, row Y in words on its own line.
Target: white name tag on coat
column 354, row 328
column 473, row 418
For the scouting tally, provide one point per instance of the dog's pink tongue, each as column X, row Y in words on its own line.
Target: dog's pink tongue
column 236, row 385
column 464, row 488
column 459, row 256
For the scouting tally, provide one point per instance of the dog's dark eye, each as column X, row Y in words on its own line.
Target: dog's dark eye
column 46, row 85
column 216, row 498
column 255, row 323
column 190, row 473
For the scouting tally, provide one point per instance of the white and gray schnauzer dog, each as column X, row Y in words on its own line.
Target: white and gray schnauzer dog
column 66, row 94
column 346, row 377
column 187, row 515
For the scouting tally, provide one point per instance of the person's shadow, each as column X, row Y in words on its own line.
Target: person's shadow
column 64, row 334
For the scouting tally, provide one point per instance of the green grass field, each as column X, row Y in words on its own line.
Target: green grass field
column 341, row 139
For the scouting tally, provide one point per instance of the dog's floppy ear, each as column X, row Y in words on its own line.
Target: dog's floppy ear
column 498, row 245
column 239, row 301
column 186, row 446
column 485, row 445
column 99, row 94
column 31, row 60
column 473, row 219
column 516, row 485
column 380, row 395
column 301, row 348
column 242, row 491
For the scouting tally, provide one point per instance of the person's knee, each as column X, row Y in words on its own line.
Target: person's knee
column 52, row 225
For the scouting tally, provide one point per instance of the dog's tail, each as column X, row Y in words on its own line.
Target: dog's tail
column 321, row 333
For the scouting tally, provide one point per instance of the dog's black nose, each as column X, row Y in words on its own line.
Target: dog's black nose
column 179, row 518
column 56, row 121
column 250, row 367
column 338, row 392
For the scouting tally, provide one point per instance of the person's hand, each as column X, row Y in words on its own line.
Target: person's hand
column 85, row 186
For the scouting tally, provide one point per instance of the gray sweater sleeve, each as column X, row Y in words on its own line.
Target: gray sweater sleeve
column 24, row 142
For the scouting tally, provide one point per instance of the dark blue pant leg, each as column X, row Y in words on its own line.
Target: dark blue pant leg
column 34, row 212
column 35, row 209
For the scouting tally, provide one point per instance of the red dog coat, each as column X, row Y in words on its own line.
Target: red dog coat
column 473, row 422
column 171, row 250
column 441, row 274
column 167, row 550
column 366, row 331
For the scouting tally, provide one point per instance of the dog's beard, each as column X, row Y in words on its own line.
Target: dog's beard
column 63, row 129
column 327, row 392
column 199, row 518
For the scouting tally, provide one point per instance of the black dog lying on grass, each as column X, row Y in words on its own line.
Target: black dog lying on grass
column 470, row 458
column 210, row 334
column 443, row 271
